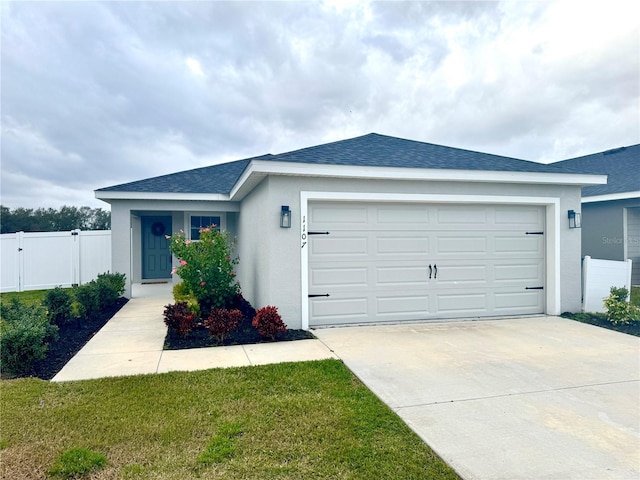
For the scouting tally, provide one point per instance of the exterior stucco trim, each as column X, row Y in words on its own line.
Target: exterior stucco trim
column 611, row 196
column 552, row 232
column 109, row 195
column 261, row 168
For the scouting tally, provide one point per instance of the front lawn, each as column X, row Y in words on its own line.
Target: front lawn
column 287, row 421
column 30, row 297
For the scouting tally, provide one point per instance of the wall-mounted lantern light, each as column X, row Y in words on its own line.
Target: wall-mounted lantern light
column 285, row 217
column 574, row 219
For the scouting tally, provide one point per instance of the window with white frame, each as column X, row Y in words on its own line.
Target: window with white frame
column 202, row 221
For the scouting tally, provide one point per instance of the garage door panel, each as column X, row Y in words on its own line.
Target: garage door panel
column 402, row 276
column 400, row 216
column 461, row 245
column 520, row 272
column 461, row 303
column 339, row 246
column 519, row 216
column 522, row 300
column 417, row 306
column 339, row 277
column 402, row 246
column 461, row 275
column 327, row 308
column 518, row 244
column 377, row 268
column 329, row 214
column 454, row 215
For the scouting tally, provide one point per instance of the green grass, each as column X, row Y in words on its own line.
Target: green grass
column 311, row 420
column 77, row 462
column 30, row 297
column 635, row 296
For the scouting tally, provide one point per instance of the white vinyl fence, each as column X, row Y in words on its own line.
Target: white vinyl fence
column 42, row 260
column 598, row 277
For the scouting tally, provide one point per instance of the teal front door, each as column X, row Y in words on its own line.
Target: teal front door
column 156, row 256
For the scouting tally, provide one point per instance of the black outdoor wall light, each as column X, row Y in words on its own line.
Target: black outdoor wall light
column 285, row 217
column 575, row 220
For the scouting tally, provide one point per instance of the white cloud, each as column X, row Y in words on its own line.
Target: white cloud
column 95, row 94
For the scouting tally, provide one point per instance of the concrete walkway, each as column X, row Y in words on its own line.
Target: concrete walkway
column 521, row 398
column 131, row 344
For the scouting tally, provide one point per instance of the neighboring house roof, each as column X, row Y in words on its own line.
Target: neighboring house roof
column 372, row 150
column 622, row 165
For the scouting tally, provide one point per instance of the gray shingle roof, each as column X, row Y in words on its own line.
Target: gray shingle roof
column 622, row 165
column 372, row 150
column 213, row 179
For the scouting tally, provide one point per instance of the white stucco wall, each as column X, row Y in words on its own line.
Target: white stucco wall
column 269, row 271
column 270, row 263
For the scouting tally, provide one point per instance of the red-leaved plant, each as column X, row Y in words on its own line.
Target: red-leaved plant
column 268, row 322
column 180, row 318
column 222, row 322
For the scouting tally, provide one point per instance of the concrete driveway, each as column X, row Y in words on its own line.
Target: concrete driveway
column 539, row 397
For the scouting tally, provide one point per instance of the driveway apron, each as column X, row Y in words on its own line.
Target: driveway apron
column 525, row 398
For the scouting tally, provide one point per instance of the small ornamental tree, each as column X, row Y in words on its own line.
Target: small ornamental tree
column 207, row 267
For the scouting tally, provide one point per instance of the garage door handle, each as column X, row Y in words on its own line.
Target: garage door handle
column 534, row 288
column 430, row 271
column 319, row 295
column 435, row 271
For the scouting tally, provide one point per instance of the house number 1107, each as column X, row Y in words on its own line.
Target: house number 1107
column 304, row 231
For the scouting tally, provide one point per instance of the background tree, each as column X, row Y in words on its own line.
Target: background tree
column 52, row 220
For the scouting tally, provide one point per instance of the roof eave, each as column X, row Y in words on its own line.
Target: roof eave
column 611, row 196
column 257, row 170
column 107, row 195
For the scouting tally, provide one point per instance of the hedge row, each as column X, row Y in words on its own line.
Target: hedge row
column 26, row 331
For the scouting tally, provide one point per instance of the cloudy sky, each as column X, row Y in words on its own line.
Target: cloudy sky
column 100, row 93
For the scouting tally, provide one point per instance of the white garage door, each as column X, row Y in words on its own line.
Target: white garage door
column 391, row 262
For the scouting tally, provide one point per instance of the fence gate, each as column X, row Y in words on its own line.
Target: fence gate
column 43, row 260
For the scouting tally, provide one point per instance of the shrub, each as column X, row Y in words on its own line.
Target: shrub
column 239, row 302
column 77, row 462
column 207, row 267
column 180, row 318
column 87, row 299
column 58, row 303
column 619, row 311
column 24, row 335
column 269, row 322
column 110, row 287
column 181, row 293
column 222, row 322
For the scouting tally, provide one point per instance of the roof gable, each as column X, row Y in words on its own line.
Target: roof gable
column 622, row 165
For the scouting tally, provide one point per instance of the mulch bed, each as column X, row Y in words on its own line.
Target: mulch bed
column 72, row 337
column 244, row 335
column 600, row 320
column 75, row 335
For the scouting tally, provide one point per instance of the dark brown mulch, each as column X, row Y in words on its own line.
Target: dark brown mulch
column 600, row 320
column 72, row 337
column 244, row 335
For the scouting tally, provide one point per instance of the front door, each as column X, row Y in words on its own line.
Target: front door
column 156, row 256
